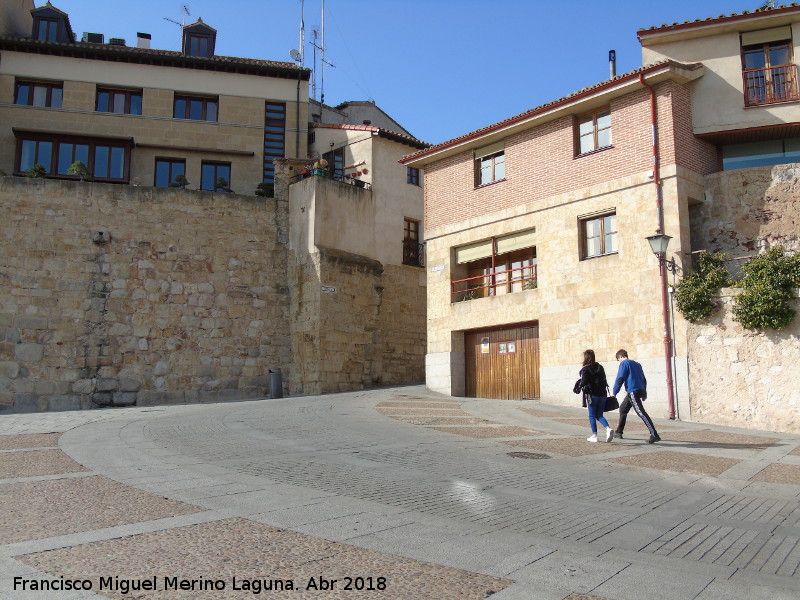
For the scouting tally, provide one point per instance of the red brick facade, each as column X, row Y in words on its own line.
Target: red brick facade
column 541, row 162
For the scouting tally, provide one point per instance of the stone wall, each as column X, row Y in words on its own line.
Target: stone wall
column 741, row 377
column 747, row 209
column 119, row 295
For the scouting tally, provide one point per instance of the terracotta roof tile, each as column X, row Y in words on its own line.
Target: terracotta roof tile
column 544, row 107
column 387, row 133
column 745, row 14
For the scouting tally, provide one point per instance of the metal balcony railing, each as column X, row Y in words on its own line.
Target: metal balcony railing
column 355, row 182
column 768, row 86
column 504, row 282
column 413, row 253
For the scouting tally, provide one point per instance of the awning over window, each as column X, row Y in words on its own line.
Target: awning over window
column 767, row 35
column 474, row 251
column 516, row 241
column 505, row 244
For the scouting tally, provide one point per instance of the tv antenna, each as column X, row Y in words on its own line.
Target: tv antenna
column 323, row 62
column 186, row 13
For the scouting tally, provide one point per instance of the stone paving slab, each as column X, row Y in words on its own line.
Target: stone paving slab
column 506, row 431
column 32, row 463
column 424, row 411
column 444, row 420
column 779, row 473
column 539, row 412
column 40, row 440
column 723, row 439
column 41, row 509
column 680, row 462
column 634, row 425
column 418, row 404
column 568, row 446
column 250, row 551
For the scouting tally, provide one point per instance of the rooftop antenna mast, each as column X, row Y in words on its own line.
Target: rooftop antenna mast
column 185, row 9
column 302, row 32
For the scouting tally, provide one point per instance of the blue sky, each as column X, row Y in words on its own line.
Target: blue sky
column 441, row 68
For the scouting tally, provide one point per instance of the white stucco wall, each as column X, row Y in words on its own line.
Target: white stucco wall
column 718, row 96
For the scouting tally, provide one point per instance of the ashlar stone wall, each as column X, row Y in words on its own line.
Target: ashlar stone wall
column 746, row 210
column 741, row 377
column 119, row 295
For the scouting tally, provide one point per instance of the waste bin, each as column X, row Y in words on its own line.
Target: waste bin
column 275, row 383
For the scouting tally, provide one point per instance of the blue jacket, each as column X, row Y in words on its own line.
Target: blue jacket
column 631, row 374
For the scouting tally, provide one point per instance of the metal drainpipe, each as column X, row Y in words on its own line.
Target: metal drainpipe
column 662, row 264
column 297, row 119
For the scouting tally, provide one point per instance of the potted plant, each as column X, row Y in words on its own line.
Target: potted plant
column 221, row 185
column 37, row 171
column 80, row 169
column 179, row 181
column 265, row 189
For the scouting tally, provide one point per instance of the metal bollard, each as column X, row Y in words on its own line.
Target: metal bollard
column 275, row 383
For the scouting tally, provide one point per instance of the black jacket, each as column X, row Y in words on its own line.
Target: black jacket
column 593, row 379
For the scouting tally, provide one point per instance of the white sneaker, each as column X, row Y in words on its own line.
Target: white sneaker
column 592, row 438
column 609, row 434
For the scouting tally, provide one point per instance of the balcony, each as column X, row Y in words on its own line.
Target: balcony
column 770, row 85
column 499, row 283
column 413, row 253
column 335, row 176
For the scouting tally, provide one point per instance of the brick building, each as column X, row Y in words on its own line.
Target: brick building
column 536, row 226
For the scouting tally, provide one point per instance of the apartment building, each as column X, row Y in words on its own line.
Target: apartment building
column 536, row 227
column 134, row 114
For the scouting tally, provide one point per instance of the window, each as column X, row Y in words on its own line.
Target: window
column 335, row 160
column 33, row 93
column 598, row 235
column 490, row 164
column 412, row 248
column 106, row 160
column 167, row 169
column 767, row 69
column 125, row 102
column 46, row 30
column 215, row 177
column 501, row 265
column 274, row 138
column 594, row 131
column 412, row 176
column 760, row 154
column 197, row 45
column 195, row 108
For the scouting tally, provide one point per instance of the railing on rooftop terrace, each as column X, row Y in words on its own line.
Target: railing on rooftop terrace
column 501, row 282
column 355, row 182
column 768, row 86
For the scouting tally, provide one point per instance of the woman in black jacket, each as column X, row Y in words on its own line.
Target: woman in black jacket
column 595, row 386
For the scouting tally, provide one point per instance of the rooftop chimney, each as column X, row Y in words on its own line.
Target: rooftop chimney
column 143, row 40
column 612, row 62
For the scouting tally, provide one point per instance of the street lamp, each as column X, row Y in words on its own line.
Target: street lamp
column 659, row 243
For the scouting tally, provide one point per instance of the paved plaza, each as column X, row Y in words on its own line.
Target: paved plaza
column 392, row 494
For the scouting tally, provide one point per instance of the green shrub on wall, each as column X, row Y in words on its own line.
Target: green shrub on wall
column 768, row 281
column 694, row 295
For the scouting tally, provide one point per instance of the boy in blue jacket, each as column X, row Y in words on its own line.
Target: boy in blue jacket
column 632, row 375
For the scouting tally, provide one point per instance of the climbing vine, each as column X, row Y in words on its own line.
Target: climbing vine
column 694, row 295
column 768, row 281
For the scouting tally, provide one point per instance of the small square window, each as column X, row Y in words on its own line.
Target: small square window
column 594, row 131
column 598, row 235
column 215, row 177
column 195, row 108
column 490, row 164
column 412, row 176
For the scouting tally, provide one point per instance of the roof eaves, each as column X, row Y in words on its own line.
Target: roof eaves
column 745, row 14
column 544, row 108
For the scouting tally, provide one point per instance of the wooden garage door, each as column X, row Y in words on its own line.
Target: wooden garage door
column 503, row 363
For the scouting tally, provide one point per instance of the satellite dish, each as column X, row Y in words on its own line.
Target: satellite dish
column 296, row 56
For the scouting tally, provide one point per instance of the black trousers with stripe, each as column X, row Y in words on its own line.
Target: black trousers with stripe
column 634, row 400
